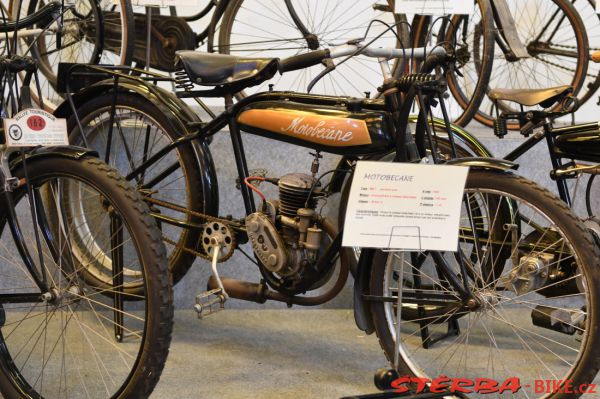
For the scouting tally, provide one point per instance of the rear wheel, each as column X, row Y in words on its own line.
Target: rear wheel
column 534, row 315
column 140, row 130
column 79, row 338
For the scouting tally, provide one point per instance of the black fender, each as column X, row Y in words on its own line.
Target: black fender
column 174, row 108
column 58, row 152
column 177, row 111
column 362, row 279
column 484, row 163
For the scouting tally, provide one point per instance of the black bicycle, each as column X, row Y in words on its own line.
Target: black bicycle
column 75, row 319
column 514, row 44
column 428, row 309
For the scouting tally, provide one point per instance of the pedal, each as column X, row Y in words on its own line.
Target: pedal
column 210, row 302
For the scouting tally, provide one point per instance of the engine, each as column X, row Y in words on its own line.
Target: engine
column 287, row 236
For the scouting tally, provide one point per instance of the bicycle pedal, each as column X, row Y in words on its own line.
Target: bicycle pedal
column 210, row 302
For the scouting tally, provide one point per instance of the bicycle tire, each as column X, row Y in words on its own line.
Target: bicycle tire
column 80, row 341
column 94, row 115
column 579, row 242
column 469, row 104
column 350, row 79
column 106, row 13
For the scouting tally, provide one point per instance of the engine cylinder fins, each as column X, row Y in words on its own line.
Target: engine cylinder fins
column 294, row 190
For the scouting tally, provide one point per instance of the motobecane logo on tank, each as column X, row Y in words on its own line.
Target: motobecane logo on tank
column 322, row 129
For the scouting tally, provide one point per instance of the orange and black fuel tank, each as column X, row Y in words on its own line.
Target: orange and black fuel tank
column 336, row 129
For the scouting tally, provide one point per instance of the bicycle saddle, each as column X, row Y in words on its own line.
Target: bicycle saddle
column 530, row 97
column 231, row 72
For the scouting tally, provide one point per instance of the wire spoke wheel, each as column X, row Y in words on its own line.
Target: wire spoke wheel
column 530, row 269
column 139, row 131
column 81, row 338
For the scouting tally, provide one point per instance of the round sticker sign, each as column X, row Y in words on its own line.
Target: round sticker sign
column 36, row 123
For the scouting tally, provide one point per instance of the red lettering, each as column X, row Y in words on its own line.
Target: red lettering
column 591, row 388
column 512, row 384
column 556, row 386
column 461, row 385
column 485, row 385
column 568, row 387
column 539, row 386
column 438, row 386
column 421, row 383
column 399, row 384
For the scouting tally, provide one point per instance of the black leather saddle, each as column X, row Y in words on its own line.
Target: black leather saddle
column 228, row 71
column 529, row 97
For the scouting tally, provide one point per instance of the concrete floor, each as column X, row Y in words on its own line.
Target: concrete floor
column 271, row 353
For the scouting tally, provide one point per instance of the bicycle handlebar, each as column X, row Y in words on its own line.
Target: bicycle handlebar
column 316, row 57
column 30, row 20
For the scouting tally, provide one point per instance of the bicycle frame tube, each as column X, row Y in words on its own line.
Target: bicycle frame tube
column 555, row 159
column 507, row 29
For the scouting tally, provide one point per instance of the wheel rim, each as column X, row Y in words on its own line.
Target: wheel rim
column 543, row 69
column 131, row 128
column 52, row 348
column 500, row 330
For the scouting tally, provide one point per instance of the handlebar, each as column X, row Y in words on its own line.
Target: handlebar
column 42, row 15
column 316, row 57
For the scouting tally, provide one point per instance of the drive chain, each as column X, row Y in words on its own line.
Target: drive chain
column 207, row 219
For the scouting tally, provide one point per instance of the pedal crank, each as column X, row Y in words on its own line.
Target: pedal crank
column 212, row 301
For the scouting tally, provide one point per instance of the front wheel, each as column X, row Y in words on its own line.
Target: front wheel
column 532, row 314
column 73, row 338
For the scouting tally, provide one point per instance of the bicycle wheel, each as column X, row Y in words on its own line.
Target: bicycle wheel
column 591, row 21
column 556, row 41
column 94, row 32
column 466, row 35
column 537, row 319
column 76, row 339
column 141, row 130
column 252, row 28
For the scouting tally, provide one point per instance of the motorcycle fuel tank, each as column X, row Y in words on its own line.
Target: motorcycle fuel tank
column 333, row 129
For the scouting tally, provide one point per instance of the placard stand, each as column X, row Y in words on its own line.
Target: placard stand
column 383, row 378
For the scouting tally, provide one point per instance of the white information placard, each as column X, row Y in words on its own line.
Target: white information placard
column 404, row 206
column 35, row 127
column 435, row 7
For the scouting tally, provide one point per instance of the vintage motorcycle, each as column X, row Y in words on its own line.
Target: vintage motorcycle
column 522, row 285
